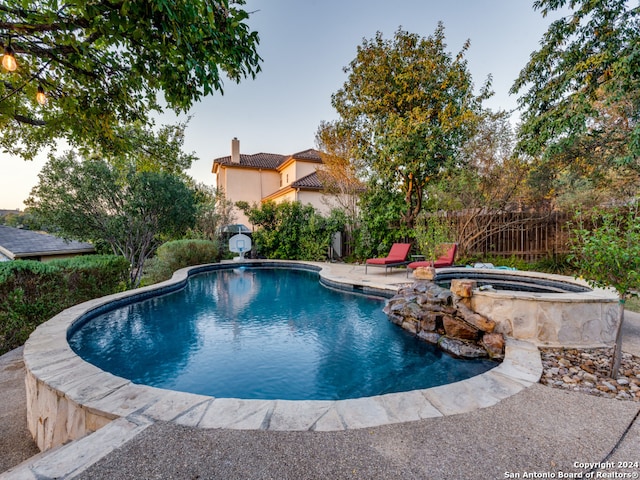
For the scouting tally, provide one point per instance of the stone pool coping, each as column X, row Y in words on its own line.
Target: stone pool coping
column 68, row 398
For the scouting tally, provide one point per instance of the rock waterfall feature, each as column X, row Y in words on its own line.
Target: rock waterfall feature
column 444, row 317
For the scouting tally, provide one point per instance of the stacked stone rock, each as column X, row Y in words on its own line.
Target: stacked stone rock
column 444, row 318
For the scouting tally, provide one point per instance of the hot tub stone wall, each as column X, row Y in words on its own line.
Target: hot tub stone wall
column 553, row 320
column 438, row 316
column 586, row 319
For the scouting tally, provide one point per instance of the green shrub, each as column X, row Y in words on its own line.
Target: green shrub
column 293, row 231
column 93, row 276
column 558, row 264
column 177, row 254
column 32, row 292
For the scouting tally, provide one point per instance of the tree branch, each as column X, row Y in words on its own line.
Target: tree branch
column 27, row 28
column 28, row 120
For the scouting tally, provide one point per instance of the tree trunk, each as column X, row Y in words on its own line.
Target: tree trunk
column 616, row 358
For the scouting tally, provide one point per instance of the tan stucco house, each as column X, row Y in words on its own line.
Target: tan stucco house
column 260, row 177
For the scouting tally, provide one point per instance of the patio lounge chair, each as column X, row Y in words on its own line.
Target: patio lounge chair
column 397, row 256
column 445, row 260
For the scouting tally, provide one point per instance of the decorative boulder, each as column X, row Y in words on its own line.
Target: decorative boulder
column 463, row 288
column 454, row 327
column 479, row 321
column 493, row 343
column 438, row 316
column 424, row 273
column 430, row 337
column 462, row 349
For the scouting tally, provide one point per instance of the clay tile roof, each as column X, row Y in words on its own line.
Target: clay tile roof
column 311, row 181
column 17, row 243
column 309, row 154
column 258, row 160
column 269, row 161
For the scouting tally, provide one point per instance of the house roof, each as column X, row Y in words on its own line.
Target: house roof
column 308, row 182
column 269, row 161
column 16, row 243
column 259, row 160
column 309, row 154
column 311, row 182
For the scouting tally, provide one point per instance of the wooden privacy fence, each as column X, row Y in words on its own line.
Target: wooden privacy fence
column 526, row 235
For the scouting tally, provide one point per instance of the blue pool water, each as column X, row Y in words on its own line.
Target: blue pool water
column 265, row 334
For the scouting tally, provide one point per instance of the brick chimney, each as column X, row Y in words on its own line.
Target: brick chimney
column 235, row 150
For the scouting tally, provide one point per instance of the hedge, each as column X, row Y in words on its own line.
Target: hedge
column 32, row 292
column 177, row 254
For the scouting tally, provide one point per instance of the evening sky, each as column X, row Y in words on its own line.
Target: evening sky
column 304, row 46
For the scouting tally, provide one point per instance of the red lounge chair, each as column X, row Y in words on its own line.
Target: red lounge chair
column 445, row 260
column 397, row 256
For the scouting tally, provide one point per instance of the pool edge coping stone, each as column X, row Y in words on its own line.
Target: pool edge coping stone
column 63, row 407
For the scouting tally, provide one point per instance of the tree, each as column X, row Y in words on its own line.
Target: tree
column 581, row 100
column 213, row 211
column 432, row 232
column 132, row 211
column 410, row 106
column 488, row 175
column 339, row 172
column 105, row 63
column 24, row 220
column 609, row 256
column 379, row 223
column 151, row 150
column 487, row 182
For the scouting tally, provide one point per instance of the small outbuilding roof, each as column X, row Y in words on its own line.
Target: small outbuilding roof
column 16, row 243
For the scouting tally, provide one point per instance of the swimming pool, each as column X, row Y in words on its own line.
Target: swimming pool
column 264, row 333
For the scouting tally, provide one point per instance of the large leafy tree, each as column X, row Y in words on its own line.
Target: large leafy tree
column 410, row 106
column 580, row 92
column 150, row 149
column 130, row 210
column 104, row 63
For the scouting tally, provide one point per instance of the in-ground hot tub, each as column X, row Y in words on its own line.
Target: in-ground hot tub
column 546, row 309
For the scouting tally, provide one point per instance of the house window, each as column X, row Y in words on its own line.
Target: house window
column 287, row 179
column 280, row 179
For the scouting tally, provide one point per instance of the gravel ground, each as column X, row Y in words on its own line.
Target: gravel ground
column 587, row 371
